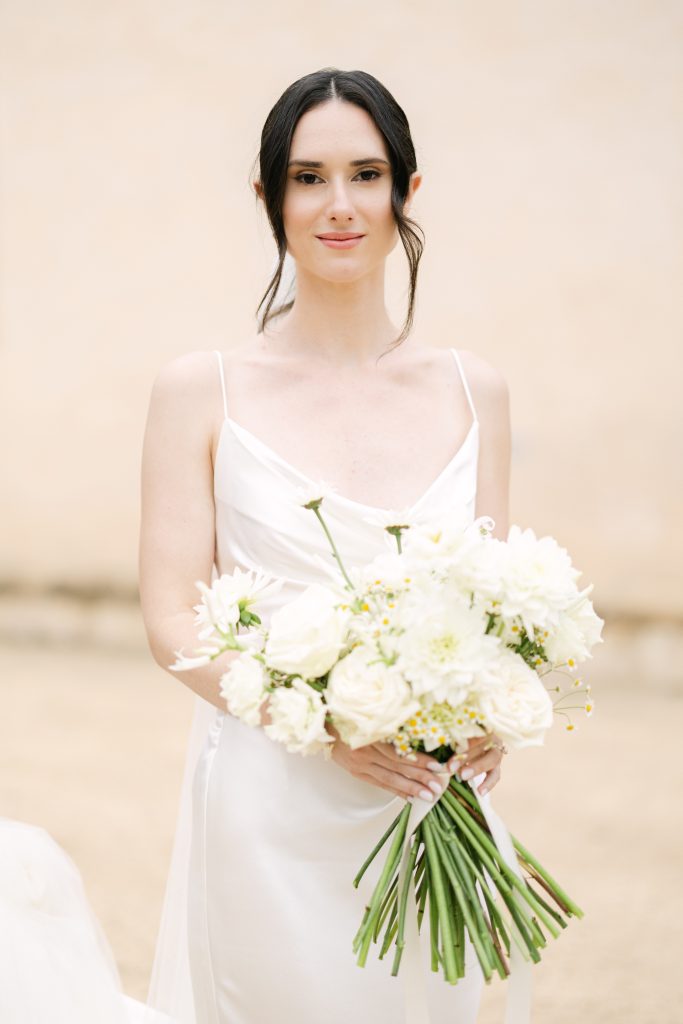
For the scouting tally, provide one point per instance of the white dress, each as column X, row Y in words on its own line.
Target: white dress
column 277, row 838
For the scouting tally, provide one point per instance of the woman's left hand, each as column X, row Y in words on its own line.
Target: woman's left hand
column 484, row 754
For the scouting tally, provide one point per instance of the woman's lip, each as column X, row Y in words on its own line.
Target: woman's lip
column 341, row 243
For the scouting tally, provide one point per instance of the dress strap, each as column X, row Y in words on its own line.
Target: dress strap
column 464, row 383
column 220, row 370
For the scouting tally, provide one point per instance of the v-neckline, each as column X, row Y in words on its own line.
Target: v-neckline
column 242, row 433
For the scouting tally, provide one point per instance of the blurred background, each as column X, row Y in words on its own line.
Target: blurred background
column 550, row 137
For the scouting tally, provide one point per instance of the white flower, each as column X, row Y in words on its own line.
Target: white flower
column 579, row 628
column 243, row 687
column 313, row 493
column 298, row 718
column 220, row 605
column 388, row 571
column 484, row 525
column 478, row 570
column 386, row 518
column 307, row 634
column 369, row 701
column 439, row 542
column 444, row 645
column 202, row 656
column 537, row 577
column 514, row 702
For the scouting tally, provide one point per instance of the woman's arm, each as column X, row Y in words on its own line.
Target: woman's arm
column 177, row 527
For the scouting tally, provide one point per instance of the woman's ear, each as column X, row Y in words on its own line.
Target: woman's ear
column 413, row 185
column 258, row 189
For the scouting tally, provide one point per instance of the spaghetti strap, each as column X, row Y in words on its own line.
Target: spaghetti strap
column 220, row 370
column 464, row 383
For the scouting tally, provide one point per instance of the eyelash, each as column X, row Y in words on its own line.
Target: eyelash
column 366, row 170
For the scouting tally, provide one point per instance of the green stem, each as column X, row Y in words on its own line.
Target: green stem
column 386, row 906
column 483, row 841
column 402, row 907
column 364, row 935
column 433, row 923
column 569, row 906
column 378, row 847
column 467, row 898
column 438, row 885
column 333, row 546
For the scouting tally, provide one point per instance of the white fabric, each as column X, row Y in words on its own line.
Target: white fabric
column 275, row 838
column 55, row 962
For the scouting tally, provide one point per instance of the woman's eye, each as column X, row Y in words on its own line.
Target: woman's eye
column 310, row 174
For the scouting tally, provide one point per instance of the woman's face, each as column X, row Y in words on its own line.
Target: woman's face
column 339, row 181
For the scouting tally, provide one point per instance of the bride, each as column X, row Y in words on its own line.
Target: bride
column 260, row 911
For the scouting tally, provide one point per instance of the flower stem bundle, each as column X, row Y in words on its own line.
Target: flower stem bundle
column 456, row 869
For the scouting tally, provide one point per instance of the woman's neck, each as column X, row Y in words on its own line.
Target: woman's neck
column 343, row 323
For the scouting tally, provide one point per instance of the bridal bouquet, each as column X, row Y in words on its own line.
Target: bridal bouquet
column 447, row 635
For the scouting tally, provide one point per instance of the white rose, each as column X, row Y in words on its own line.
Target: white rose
column 243, row 688
column 368, row 702
column 297, row 715
column 307, row 634
column 444, row 646
column 514, row 702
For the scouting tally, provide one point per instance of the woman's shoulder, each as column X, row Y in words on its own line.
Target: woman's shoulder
column 490, row 392
column 481, row 372
column 190, row 379
column 189, row 369
column 186, row 393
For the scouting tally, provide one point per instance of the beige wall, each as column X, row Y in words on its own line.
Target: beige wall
column 550, row 137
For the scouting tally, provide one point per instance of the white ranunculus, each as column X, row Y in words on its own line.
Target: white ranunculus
column 243, row 688
column 538, row 579
column 220, row 604
column 369, row 700
column 579, row 628
column 297, row 715
column 514, row 702
column 307, row 634
column 444, row 645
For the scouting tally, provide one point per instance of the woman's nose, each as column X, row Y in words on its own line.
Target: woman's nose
column 340, row 201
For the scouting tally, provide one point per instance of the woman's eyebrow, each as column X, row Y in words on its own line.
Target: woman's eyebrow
column 352, row 163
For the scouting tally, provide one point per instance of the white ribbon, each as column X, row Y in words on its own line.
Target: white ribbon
column 518, row 1002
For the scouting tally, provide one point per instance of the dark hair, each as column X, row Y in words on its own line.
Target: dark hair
column 366, row 92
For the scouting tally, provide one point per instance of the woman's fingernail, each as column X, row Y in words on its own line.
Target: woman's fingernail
column 425, row 794
column 482, row 790
column 436, row 766
column 436, row 787
column 467, row 773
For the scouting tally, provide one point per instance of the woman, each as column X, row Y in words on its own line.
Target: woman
column 326, row 390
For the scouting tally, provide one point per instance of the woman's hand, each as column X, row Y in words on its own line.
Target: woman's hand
column 379, row 764
column 484, row 754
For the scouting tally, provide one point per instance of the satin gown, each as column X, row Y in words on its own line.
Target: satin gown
column 277, row 838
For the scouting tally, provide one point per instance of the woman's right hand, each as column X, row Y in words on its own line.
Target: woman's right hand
column 380, row 765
